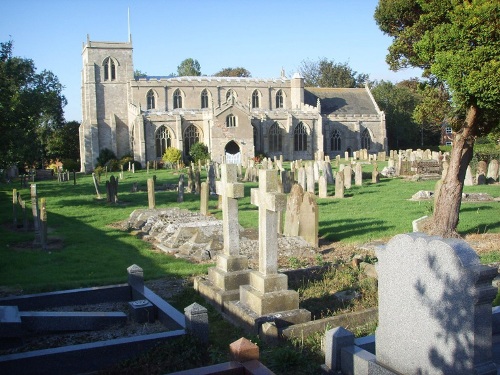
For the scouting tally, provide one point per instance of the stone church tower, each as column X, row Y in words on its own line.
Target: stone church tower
column 236, row 117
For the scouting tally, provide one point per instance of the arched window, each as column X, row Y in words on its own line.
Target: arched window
column 230, row 95
column 204, row 99
column 335, row 141
column 300, row 137
column 255, row 99
column 177, row 99
column 163, row 141
column 275, row 138
column 191, row 136
column 109, row 69
column 366, row 139
column 151, row 100
column 279, row 99
column 231, row 121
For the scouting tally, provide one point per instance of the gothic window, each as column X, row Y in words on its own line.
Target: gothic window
column 163, row 141
column 366, row 139
column 151, row 100
column 275, row 138
column 335, row 141
column 279, row 99
column 230, row 95
column 255, row 99
column 300, row 137
column 177, row 99
column 191, row 136
column 231, row 121
column 204, row 99
column 109, row 69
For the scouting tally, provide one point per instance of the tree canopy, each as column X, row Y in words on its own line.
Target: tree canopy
column 328, row 73
column 189, row 67
column 31, row 107
column 233, row 72
column 457, row 43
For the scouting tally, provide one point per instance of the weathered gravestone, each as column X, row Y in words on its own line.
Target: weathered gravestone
column 358, row 174
column 339, row 185
column 309, row 219
column 322, row 187
column 347, row 176
column 469, row 180
column 112, row 190
column 492, row 175
column 151, row 193
column 434, row 307
column 231, row 269
column 204, row 197
column 310, row 181
column 302, row 177
column 180, row 189
column 293, row 202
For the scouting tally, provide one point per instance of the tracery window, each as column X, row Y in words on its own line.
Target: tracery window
column 275, row 138
column 366, row 139
column 335, row 141
column 191, row 136
column 177, row 99
column 109, row 69
column 300, row 137
column 204, row 99
column 255, row 99
column 163, row 141
column 279, row 99
column 151, row 100
column 231, row 121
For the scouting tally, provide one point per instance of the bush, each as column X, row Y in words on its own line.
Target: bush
column 172, row 155
column 199, row 151
column 104, row 156
column 113, row 165
column 71, row 165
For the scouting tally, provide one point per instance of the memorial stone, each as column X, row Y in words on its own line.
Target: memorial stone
column 293, row 203
column 180, row 189
column 347, row 176
column 151, row 194
column 302, row 177
column 358, row 174
column 322, row 187
column 310, row 183
column 469, row 180
column 492, row 175
column 204, row 197
column 339, row 185
column 309, row 219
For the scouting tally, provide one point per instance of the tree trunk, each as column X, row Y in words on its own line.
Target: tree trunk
column 447, row 207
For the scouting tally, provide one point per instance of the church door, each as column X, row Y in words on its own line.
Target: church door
column 233, row 154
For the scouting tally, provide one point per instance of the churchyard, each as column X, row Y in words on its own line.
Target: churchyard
column 87, row 243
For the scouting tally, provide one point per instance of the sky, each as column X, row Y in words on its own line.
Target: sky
column 263, row 36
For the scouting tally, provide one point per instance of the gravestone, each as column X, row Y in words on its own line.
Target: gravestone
column 180, row 189
column 204, row 197
column 347, row 176
column 327, row 172
column 211, row 179
column 286, row 181
column 375, row 177
column 231, row 269
column 43, row 223
column 310, row 181
column 191, row 187
column 469, row 180
column 339, row 185
column 492, row 174
column 151, row 194
column 434, row 318
column 112, row 190
column 293, row 202
column 309, row 219
column 322, row 187
column 36, row 215
column 197, row 180
column 267, row 296
column 358, row 175
column 302, row 177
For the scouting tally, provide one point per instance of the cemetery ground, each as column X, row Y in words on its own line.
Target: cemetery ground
column 87, row 247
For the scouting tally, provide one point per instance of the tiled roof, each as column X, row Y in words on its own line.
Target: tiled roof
column 340, row 100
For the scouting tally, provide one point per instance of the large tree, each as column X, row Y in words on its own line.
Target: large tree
column 31, row 105
column 328, row 73
column 189, row 68
column 63, row 142
column 233, row 72
column 457, row 43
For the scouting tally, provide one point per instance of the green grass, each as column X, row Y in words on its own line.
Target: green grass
column 96, row 253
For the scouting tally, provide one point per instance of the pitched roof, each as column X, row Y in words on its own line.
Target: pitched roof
column 340, row 100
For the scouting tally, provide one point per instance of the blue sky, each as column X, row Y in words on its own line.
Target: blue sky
column 262, row 36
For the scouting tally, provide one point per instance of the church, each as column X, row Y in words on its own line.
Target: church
column 237, row 118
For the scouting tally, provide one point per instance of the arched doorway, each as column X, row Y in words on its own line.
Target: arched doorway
column 233, row 153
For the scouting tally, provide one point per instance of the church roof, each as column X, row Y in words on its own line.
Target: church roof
column 341, row 100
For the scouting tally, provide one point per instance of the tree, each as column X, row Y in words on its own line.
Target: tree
column 327, row 73
column 139, row 73
column 31, row 105
column 233, row 72
column 199, row 151
column 458, row 44
column 189, row 67
column 63, row 142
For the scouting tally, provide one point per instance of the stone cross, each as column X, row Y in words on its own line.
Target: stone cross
column 230, row 190
column 270, row 203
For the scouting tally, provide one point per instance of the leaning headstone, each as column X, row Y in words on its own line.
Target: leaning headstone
column 151, row 194
column 339, row 185
column 211, row 178
column 204, row 196
column 293, row 202
column 492, row 174
column 180, row 189
column 322, row 187
column 309, row 219
column 434, row 318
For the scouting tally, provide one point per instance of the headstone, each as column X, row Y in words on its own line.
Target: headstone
column 211, row 179
column 43, row 223
column 286, row 181
column 302, row 177
column 96, row 185
column 293, row 203
column 191, row 187
column 197, row 181
column 322, row 187
column 151, row 193
column 204, row 197
column 310, row 181
column 347, row 176
column 112, row 190
column 197, row 321
column 327, row 172
column 316, row 171
column 309, row 219
column 36, row 215
column 492, row 174
column 358, row 175
column 339, row 185
column 375, row 177
column 434, row 318
column 180, row 188
column 469, row 180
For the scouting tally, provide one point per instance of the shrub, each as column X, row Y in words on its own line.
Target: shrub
column 172, row 155
column 113, row 165
column 199, row 151
column 71, row 165
column 104, row 156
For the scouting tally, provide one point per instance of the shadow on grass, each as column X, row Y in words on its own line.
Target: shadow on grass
column 338, row 230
